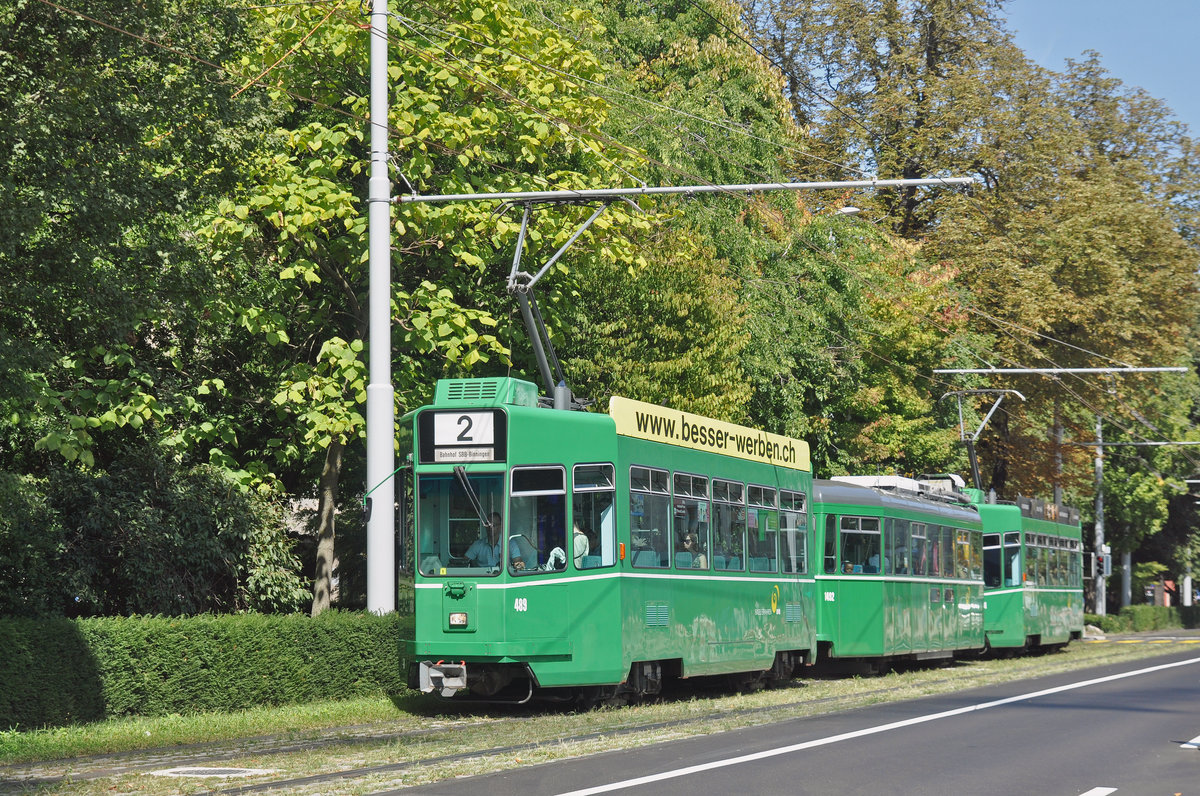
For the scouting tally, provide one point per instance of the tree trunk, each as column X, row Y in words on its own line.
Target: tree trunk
column 327, row 502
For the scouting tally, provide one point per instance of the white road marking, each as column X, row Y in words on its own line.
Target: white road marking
column 847, row 736
column 1192, row 744
column 1099, row 792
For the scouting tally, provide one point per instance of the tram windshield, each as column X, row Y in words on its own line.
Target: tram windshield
column 452, row 538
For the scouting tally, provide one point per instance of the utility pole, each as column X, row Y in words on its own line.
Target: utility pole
column 381, row 402
column 1098, row 542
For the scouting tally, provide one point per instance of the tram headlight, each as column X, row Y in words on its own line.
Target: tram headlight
column 458, row 619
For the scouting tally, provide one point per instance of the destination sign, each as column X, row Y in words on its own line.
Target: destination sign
column 457, row 437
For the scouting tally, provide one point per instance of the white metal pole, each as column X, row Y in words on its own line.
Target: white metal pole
column 1101, row 582
column 381, row 411
column 1126, row 578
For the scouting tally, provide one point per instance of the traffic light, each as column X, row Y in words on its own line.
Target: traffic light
column 1103, row 565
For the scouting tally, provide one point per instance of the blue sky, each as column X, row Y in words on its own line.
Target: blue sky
column 1147, row 43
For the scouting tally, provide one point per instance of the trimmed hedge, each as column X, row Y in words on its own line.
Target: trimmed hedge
column 60, row 671
column 1136, row 618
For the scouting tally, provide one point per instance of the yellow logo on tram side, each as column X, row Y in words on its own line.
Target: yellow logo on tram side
column 775, row 600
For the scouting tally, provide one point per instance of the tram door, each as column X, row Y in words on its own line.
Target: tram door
column 537, row 605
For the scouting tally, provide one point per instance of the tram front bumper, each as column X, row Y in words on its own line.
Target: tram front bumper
column 445, row 678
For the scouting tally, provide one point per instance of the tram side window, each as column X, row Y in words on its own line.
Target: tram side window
column 896, row 546
column 649, row 516
column 993, row 561
column 941, row 541
column 962, row 554
column 861, row 545
column 947, row 538
column 762, row 529
column 831, row 544
column 919, row 548
column 1044, row 555
column 594, row 533
column 690, row 526
column 1076, row 565
column 452, row 537
column 1039, row 564
column 976, row 561
column 793, row 531
column 729, row 527
column 1032, row 560
column 1012, row 558
column 537, row 520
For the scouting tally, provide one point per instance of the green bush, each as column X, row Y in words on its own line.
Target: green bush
column 142, row 536
column 1110, row 623
column 1151, row 617
column 1189, row 615
column 48, row 675
column 31, row 541
column 1137, row 618
column 67, row 671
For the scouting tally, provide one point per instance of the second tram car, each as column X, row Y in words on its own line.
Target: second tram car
column 901, row 571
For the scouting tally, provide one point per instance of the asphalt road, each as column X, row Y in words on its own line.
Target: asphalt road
column 1127, row 729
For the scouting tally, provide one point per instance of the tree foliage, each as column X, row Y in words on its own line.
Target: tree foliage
column 142, row 537
column 184, row 235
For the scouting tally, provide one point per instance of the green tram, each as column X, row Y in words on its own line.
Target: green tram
column 587, row 556
column 591, row 556
column 901, row 576
column 1033, row 574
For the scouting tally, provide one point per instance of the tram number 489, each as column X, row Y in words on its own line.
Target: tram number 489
column 521, row 604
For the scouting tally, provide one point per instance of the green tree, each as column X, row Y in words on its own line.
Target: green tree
column 480, row 103
column 1076, row 246
column 108, row 141
column 668, row 332
column 845, row 323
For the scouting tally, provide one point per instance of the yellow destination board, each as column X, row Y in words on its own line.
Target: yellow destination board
column 659, row 424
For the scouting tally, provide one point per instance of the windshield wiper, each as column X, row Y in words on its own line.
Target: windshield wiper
column 460, row 473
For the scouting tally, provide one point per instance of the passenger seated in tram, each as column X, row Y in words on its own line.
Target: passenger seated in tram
column 691, row 546
column 522, row 553
column 581, row 545
column 873, row 563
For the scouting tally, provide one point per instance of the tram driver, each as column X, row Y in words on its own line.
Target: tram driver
column 486, row 552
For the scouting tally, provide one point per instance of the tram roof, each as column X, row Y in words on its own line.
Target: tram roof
column 825, row 491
